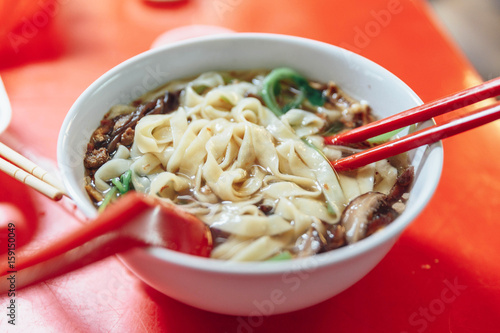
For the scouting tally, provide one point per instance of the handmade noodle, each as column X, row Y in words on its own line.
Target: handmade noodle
column 255, row 177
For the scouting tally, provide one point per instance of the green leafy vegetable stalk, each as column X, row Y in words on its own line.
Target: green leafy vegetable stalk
column 271, row 88
column 121, row 185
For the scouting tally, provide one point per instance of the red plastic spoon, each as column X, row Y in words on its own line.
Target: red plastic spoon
column 134, row 220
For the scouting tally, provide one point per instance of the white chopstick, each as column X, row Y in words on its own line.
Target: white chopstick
column 30, row 167
column 30, row 180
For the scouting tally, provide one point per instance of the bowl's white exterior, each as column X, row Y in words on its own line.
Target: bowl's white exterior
column 249, row 289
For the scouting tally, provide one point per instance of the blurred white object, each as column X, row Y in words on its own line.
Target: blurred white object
column 5, row 109
column 187, row 32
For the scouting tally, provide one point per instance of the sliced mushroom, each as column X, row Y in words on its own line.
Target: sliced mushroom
column 402, row 185
column 309, row 243
column 334, row 237
column 372, row 211
column 359, row 213
column 384, row 215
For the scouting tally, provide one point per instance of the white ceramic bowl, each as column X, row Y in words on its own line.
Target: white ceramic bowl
column 249, row 289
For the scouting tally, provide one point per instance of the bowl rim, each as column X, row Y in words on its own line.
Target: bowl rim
column 392, row 231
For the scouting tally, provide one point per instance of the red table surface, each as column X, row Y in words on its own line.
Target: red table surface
column 441, row 276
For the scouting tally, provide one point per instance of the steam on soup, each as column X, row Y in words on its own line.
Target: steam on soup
column 244, row 152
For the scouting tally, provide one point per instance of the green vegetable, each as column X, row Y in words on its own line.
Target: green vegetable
column 108, row 198
column 121, row 185
column 330, row 209
column 281, row 256
column 118, row 185
column 125, row 178
column 310, row 144
column 335, row 127
column 225, row 99
column 228, row 78
column 384, row 137
column 271, row 88
column 200, row 89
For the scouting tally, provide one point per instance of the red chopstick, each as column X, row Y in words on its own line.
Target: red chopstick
column 426, row 136
column 420, row 113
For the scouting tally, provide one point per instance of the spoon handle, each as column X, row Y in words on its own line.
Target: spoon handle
column 100, row 238
column 90, row 252
column 133, row 220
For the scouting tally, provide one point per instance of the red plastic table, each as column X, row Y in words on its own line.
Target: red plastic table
column 443, row 274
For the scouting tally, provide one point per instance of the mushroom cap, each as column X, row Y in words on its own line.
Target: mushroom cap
column 359, row 213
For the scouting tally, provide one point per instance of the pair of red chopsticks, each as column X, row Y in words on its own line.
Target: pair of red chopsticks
column 418, row 114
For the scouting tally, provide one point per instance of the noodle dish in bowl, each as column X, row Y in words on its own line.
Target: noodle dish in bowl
column 231, row 128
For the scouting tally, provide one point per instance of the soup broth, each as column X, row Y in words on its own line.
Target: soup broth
column 244, row 152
